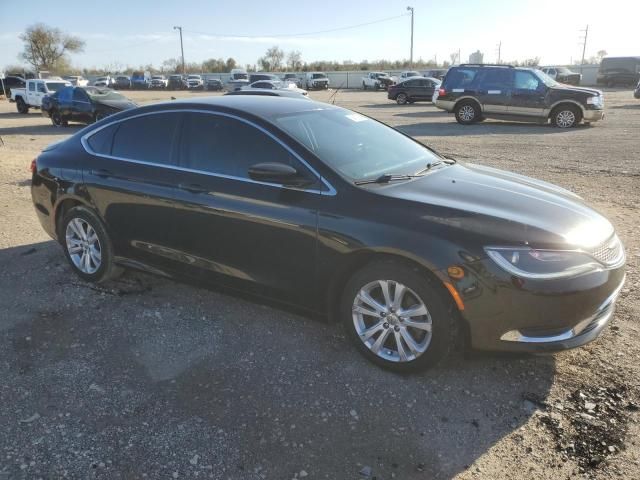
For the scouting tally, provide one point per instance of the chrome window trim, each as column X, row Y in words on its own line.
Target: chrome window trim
column 331, row 191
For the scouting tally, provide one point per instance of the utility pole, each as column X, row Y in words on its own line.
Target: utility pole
column 181, row 46
column 499, row 50
column 584, row 45
column 410, row 9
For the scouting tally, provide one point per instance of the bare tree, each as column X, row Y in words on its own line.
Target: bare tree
column 601, row 54
column 45, row 47
column 454, row 58
column 272, row 60
column 294, row 60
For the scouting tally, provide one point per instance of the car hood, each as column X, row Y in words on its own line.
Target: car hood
column 590, row 91
column 506, row 206
column 117, row 104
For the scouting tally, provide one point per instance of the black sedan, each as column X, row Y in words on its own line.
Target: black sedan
column 214, row 84
column 333, row 212
column 414, row 89
column 83, row 104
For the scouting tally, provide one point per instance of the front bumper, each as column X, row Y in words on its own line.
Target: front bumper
column 593, row 115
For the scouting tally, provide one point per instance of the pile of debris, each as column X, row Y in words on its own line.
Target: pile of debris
column 596, row 428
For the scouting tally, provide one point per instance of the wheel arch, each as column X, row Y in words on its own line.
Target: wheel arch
column 559, row 103
column 465, row 100
column 65, row 204
column 357, row 260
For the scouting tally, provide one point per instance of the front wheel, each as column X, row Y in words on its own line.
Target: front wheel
column 396, row 317
column 566, row 116
column 57, row 120
column 364, row 86
column 87, row 246
column 402, row 99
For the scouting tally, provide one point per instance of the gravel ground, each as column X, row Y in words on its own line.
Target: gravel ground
column 147, row 378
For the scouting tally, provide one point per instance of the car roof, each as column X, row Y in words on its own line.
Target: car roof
column 265, row 106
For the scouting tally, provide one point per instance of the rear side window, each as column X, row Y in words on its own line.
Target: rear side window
column 102, row 141
column 65, row 94
column 149, row 138
column 497, row 78
column 227, row 146
column 460, row 77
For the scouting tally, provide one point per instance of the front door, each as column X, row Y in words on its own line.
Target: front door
column 250, row 235
column 82, row 109
column 528, row 95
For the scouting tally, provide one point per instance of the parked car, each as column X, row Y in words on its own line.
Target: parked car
column 274, row 85
column 474, row 92
column 35, row 90
column 83, row 104
column 636, row 92
column 563, row 75
column 256, row 77
column 195, row 82
column 409, row 74
column 619, row 71
column 103, row 82
column 122, row 82
column 214, row 84
column 323, row 208
column 437, row 73
column 376, row 80
column 413, row 89
column 316, row 80
column 158, row 81
column 268, row 92
column 76, row 80
column 13, row 81
column 140, row 80
column 292, row 78
column 239, row 78
column 177, row 82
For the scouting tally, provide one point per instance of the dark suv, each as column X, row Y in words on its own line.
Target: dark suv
column 619, row 71
column 478, row 91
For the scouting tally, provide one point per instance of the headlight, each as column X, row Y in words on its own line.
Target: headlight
column 595, row 100
column 542, row 264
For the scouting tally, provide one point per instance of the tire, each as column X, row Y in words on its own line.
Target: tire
column 388, row 334
column 22, row 106
column 467, row 113
column 566, row 116
column 402, row 99
column 91, row 260
column 364, row 86
column 57, row 120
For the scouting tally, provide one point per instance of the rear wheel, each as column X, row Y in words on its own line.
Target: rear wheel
column 87, row 246
column 467, row 113
column 566, row 116
column 402, row 99
column 396, row 318
column 22, row 106
column 364, row 86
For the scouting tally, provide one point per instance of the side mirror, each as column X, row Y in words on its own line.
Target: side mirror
column 275, row 172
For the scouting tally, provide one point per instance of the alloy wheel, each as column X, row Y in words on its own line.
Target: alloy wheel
column 565, row 119
column 392, row 321
column 467, row 113
column 56, row 119
column 401, row 99
column 83, row 246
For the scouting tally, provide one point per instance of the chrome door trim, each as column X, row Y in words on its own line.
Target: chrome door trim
column 331, row 191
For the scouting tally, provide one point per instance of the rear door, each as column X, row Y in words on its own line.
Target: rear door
column 131, row 181
column 528, row 97
column 493, row 89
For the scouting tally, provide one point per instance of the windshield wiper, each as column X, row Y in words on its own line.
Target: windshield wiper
column 384, row 178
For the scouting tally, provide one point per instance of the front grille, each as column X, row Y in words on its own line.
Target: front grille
column 609, row 253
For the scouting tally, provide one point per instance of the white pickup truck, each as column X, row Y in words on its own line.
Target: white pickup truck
column 31, row 96
column 377, row 80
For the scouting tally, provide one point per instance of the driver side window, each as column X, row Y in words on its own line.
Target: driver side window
column 524, row 80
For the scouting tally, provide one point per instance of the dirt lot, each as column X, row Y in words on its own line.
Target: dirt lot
column 146, row 378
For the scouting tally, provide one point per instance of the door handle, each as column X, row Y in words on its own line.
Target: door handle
column 193, row 188
column 101, row 172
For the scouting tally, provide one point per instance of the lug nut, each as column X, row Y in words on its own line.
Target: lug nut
column 386, row 325
column 397, row 329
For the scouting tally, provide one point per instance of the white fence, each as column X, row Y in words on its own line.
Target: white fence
column 353, row 79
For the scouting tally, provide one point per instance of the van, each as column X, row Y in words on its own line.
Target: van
column 619, row 71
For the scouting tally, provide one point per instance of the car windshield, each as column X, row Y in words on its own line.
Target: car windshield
column 412, row 74
column 55, row 86
column 157, row 77
column 546, row 79
column 194, row 77
column 354, row 145
column 564, row 70
column 319, row 75
column 104, row 94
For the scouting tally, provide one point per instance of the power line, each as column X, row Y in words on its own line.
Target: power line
column 301, row 34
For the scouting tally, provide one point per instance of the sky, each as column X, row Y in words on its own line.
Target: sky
column 121, row 33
